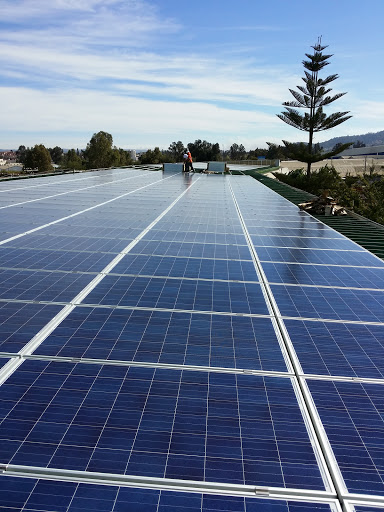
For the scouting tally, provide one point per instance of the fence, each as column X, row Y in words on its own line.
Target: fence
column 255, row 163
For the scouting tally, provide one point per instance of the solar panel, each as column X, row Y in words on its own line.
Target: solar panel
column 322, row 275
column 333, row 303
column 19, row 322
column 167, row 338
column 70, row 261
column 73, row 243
column 40, row 495
column 317, row 256
column 212, row 427
column 305, row 242
column 192, row 268
column 352, row 415
column 350, row 350
column 174, row 365
column 42, row 286
column 179, row 294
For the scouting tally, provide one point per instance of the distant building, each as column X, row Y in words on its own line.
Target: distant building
column 367, row 151
column 9, row 156
column 133, row 155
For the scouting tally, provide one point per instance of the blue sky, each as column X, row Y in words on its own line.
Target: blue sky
column 155, row 71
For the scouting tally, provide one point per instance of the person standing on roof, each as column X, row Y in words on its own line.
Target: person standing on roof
column 189, row 165
column 185, row 158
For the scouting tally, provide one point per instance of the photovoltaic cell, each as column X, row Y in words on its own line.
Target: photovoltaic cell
column 20, row 322
column 111, row 233
column 320, row 231
column 352, row 415
column 45, row 286
column 323, row 257
column 54, row 260
column 350, row 350
column 321, row 275
column 169, row 338
column 70, row 243
column 212, row 426
column 179, row 294
column 302, row 242
column 328, row 303
column 195, row 268
column 30, row 495
column 231, row 252
column 202, row 237
column 160, row 423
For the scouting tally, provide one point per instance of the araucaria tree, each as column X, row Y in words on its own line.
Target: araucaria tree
column 313, row 96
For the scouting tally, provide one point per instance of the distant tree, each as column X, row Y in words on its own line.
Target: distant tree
column 312, row 96
column 275, row 151
column 359, row 144
column 215, row 153
column 98, row 152
column 21, row 154
column 153, row 157
column 237, row 151
column 71, row 160
column 56, row 154
column 255, row 153
column 204, row 151
column 176, row 150
column 38, row 157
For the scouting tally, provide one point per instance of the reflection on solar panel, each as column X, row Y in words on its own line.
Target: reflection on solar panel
column 175, row 342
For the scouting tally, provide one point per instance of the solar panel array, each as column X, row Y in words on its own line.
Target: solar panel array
column 176, row 342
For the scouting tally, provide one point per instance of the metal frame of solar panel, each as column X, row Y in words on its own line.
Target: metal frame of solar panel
column 173, row 341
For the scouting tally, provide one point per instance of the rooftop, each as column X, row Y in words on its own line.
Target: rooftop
column 176, row 342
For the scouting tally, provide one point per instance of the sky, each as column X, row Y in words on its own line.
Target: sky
column 151, row 72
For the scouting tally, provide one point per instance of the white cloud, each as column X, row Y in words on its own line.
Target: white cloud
column 132, row 121
column 79, row 66
column 148, row 73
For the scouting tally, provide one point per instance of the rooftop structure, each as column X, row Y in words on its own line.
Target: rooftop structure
column 366, row 151
column 175, row 342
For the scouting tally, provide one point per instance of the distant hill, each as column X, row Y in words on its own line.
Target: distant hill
column 369, row 139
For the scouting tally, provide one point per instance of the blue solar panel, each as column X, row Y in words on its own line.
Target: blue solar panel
column 54, row 260
column 30, row 495
column 110, row 233
column 328, row 303
column 72, row 243
column 303, row 242
column 141, row 421
column 195, row 268
column 176, row 338
column 223, row 426
column 352, row 415
column 179, row 294
column 175, row 235
column 231, row 252
column 321, row 231
column 321, row 275
column 324, row 257
column 20, row 322
column 351, row 350
column 44, row 286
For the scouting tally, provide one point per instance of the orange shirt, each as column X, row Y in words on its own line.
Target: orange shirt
column 189, row 156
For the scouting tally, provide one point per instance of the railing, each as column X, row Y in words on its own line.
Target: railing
column 261, row 163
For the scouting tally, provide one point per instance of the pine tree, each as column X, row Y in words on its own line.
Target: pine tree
column 313, row 96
